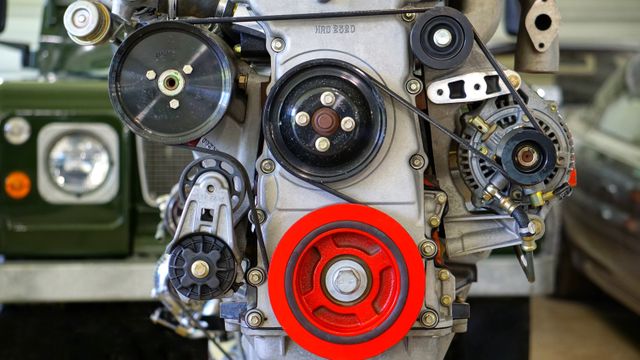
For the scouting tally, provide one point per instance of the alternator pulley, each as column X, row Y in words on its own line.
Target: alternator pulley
column 171, row 82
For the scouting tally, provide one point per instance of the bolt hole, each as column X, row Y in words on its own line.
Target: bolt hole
column 541, row 45
column 476, row 86
column 440, row 92
column 543, row 22
column 171, row 83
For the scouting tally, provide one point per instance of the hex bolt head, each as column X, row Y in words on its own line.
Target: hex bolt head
column 442, row 37
column 174, row 104
column 417, row 162
column 346, row 281
column 328, row 98
column 428, row 248
column 446, row 300
column 408, row 17
column 434, row 221
column 277, row 45
column 262, row 216
column 187, row 69
column 413, row 86
column 444, row 275
column 441, row 198
column 323, row 144
column 254, row 318
column 151, row 75
column 348, row 124
column 429, row 319
column 200, row 269
column 303, row 118
column 514, row 80
column 267, row 166
column 255, row 277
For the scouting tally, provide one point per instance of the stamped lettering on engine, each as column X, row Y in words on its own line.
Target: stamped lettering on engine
column 335, row 29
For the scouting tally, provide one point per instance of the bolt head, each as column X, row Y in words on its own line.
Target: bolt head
column 328, row 98
column 413, row 86
column 428, row 248
column 323, row 144
column 267, row 166
column 254, row 318
column 417, row 161
column 200, row 269
column 151, row 75
column 348, row 124
column 434, row 221
column 277, row 45
column 408, row 17
column 187, row 69
column 442, row 38
column 514, row 80
column 441, row 198
column 446, row 300
column 255, row 277
column 444, row 275
column 174, row 103
column 303, row 118
column 429, row 319
column 346, row 281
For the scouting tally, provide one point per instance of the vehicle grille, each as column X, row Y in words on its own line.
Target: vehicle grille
column 160, row 167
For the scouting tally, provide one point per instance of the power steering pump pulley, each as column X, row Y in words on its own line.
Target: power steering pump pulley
column 346, row 281
column 324, row 121
column 170, row 82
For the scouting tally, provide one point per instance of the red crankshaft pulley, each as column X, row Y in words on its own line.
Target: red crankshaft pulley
column 346, row 281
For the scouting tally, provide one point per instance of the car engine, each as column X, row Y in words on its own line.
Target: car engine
column 353, row 161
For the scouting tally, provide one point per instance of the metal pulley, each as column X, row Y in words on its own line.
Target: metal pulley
column 171, row 82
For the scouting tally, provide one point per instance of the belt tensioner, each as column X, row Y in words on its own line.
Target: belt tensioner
column 346, row 281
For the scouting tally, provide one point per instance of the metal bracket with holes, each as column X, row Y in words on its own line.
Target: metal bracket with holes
column 476, row 86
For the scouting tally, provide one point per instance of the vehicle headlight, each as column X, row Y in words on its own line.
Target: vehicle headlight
column 79, row 163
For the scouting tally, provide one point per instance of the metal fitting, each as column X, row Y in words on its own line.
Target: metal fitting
column 413, row 86
column 262, row 216
column 441, row 198
column 328, row 98
column 255, row 276
column 187, row 69
column 174, row 104
column 515, row 80
column 348, row 124
column 428, row 248
column 434, row 221
column 429, row 318
column 267, row 166
column 151, row 75
column 323, row 144
column 444, row 275
column 277, row 45
column 446, row 300
column 442, row 37
column 200, row 269
column 504, row 202
column 254, row 319
column 302, row 118
column 417, row 162
column 409, row 17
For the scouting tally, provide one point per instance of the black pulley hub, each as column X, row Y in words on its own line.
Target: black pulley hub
column 171, row 82
column 202, row 266
column 324, row 121
column 442, row 38
column 528, row 156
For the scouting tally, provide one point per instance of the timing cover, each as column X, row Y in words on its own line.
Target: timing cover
column 371, row 324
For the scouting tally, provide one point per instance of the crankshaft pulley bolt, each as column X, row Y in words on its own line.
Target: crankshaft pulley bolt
column 429, row 319
column 254, row 318
column 417, row 161
column 328, row 98
column 277, row 45
column 442, row 38
column 413, row 86
column 255, row 277
column 323, row 144
column 348, row 124
column 428, row 248
column 267, row 166
column 303, row 118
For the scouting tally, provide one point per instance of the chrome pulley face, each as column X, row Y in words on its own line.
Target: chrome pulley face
column 346, row 279
column 171, row 82
column 324, row 121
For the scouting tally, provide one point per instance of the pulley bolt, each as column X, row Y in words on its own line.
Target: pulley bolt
column 444, row 275
column 151, row 75
column 328, row 98
column 200, row 269
column 428, row 248
column 346, row 281
column 408, row 17
column 187, row 69
column 442, row 38
column 303, row 118
column 446, row 300
column 267, row 166
column 417, row 161
column 255, row 277
column 277, row 45
column 348, row 124
column 441, row 198
column 429, row 319
column 413, row 86
column 323, row 144
column 254, row 318
column 434, row 221
column 174, row 104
